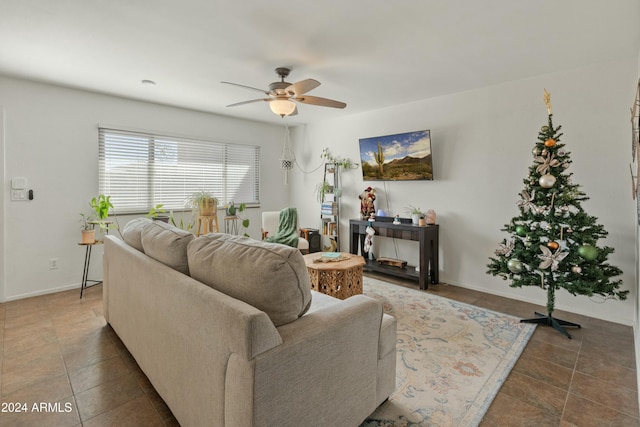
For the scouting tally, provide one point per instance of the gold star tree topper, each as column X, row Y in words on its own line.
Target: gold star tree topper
column 547, row 101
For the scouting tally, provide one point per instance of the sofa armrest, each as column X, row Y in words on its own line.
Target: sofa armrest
column 388, row 336
column 327, row 356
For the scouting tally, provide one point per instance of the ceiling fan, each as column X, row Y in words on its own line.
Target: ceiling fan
column 281, row 95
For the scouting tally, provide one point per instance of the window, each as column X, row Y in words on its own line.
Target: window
column 140, row 170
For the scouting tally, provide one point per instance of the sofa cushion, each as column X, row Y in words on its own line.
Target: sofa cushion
column 167, row 244
column 269, row 276
column 132, row 232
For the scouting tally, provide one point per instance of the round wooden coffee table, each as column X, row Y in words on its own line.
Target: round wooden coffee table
column 340, row 279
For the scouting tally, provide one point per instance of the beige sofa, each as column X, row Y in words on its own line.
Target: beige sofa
column 229, row 333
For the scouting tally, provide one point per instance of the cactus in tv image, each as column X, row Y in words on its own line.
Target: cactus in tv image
column 379, row 156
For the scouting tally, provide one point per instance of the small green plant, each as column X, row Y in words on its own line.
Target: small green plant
column 245, row 221
column 343, row 162
column 233, row 210
column 322, row 190
column 415, row 213
column 101, row 205
column 85, row 222
column 155, row 211
column 412, row 210
column 200, row 198
column 186, row 226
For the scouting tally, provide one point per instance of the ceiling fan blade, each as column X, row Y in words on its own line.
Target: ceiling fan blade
column 323, row 102
column 248, row 102
column 247, row 87
column 302, row 87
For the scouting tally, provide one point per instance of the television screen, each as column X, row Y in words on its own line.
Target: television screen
column 400, row 157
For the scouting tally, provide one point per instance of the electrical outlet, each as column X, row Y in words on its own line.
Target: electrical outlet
column 53, row 263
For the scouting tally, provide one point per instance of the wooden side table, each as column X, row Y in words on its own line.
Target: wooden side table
column 87, row 262
column 208, row 224
column 340, row 279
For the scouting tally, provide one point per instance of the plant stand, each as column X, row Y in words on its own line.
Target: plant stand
column 557, row 324
column 87, row 262
column 207, row 224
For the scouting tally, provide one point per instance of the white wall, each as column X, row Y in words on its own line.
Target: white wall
column 636, row 320
column 2, row 204
column 51, row 138
column 481, row 144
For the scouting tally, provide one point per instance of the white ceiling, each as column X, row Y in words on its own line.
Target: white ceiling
column 370, row 54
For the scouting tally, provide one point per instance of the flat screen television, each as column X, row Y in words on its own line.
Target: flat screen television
column 399, row 157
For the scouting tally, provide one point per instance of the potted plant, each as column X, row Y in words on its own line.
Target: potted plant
column 87, row 229
column 181, row 224
column 245, row 221
column 204, row 201
column 234, row 213
column 322, row 190
column 101, row 206
column 155, row 213
column 415, row 213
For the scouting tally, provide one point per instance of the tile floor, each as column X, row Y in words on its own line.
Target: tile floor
column 589, row 380
column 58, row 351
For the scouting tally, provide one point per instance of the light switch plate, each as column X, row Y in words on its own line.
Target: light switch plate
column 19, row 183
column 19, row 195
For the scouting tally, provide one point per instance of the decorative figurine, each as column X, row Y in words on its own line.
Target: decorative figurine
column 366, row 202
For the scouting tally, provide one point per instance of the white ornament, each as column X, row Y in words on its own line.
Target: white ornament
column 547, row 181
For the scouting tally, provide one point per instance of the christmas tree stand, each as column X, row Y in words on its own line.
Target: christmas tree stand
column 557, row 324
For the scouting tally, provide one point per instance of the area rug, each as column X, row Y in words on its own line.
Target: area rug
column 452, row 358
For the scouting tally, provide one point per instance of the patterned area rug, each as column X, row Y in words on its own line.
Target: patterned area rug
column 452, row 358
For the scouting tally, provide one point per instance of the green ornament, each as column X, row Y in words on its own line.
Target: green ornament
column 521, row 230
column 544, row 128
column 515, row 266
column 588, row 252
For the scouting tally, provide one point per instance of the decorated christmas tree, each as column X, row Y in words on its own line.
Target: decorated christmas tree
column 553, row 243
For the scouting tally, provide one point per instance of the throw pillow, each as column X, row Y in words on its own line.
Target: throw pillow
column 167, row 244
column 132, row 232
column 269, row 276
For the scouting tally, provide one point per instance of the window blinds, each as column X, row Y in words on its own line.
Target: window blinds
column 140, row 170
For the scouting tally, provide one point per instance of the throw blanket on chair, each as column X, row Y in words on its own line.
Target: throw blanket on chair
column 287, row 233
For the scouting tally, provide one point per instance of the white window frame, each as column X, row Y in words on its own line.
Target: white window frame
column 141, row 170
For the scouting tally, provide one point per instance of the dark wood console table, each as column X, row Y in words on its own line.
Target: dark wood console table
column 426, row 236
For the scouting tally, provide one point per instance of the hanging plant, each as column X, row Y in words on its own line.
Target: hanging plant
column 339, row 161
column 322, row 190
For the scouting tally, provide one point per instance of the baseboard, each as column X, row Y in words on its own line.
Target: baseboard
column 45, row 292
column 636, row 334
column 536, row 301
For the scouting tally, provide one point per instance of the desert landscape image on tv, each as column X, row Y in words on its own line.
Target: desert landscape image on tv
column 400, row 157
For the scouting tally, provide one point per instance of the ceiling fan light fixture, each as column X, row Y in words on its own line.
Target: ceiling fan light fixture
column 282, row 107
